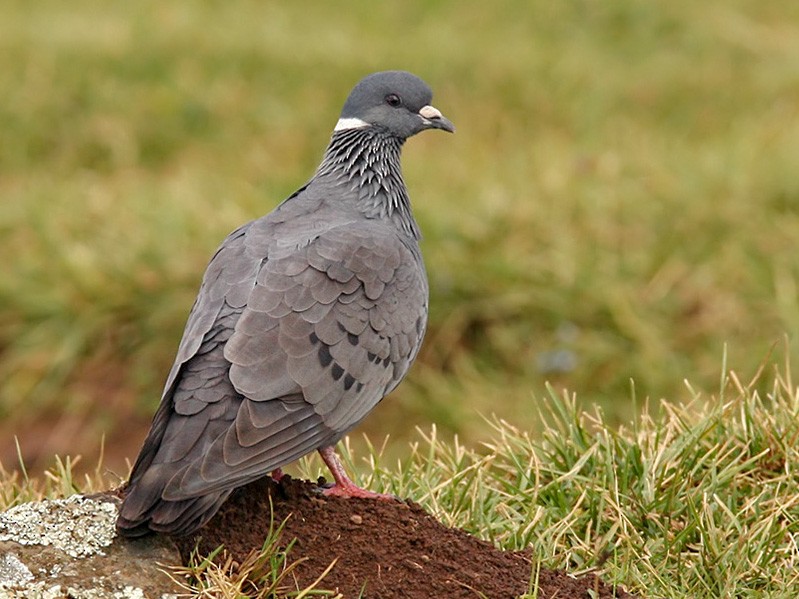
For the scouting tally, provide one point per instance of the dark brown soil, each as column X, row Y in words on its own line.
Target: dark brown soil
column 383, row 549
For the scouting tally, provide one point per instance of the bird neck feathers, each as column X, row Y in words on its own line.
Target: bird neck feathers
column 367, row 159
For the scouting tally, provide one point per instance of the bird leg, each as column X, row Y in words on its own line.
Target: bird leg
column 344, row 486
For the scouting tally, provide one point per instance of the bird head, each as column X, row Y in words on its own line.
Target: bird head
column 397, row 101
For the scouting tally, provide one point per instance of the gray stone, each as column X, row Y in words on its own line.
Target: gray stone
column 69, row 548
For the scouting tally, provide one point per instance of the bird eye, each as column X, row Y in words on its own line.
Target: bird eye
column 393, row 100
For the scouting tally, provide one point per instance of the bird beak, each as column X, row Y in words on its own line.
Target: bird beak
column 433, row 119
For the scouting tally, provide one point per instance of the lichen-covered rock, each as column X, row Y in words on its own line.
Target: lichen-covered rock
column 69, row 548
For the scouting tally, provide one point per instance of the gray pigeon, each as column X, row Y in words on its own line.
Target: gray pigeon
column 305, row 320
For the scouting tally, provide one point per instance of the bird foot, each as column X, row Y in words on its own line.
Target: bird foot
column 344, row 487
column 351, row 490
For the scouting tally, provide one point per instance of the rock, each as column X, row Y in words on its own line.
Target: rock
column 69, row 548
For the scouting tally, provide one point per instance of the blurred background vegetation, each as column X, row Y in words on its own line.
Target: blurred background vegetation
column 621, row 199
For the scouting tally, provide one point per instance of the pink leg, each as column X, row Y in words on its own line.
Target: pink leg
column 344, row 487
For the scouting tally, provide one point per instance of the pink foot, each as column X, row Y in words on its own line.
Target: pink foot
column 353, row 490
column 344, row 486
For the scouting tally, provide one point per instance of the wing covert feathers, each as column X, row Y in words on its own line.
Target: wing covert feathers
column 287, row 347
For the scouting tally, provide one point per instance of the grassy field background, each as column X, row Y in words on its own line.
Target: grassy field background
column 621, row 199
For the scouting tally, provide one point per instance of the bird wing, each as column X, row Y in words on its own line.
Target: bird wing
column 322, row 332
column 211, row 319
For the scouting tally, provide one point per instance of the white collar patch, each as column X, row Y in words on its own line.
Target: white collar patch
column 351, row 123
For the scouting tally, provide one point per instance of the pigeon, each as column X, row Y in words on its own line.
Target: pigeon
column 305, row 320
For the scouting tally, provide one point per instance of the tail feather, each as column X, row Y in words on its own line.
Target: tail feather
column 144, row 510
column 187, row 516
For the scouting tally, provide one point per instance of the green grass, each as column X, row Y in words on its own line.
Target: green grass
column 620, row 200
column 696, row 501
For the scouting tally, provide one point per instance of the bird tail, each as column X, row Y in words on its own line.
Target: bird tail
column 144, row 510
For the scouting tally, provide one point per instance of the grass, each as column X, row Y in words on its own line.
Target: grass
column 60, row 480
column 697, row 500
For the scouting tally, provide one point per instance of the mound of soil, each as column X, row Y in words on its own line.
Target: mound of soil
column 383, row 549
